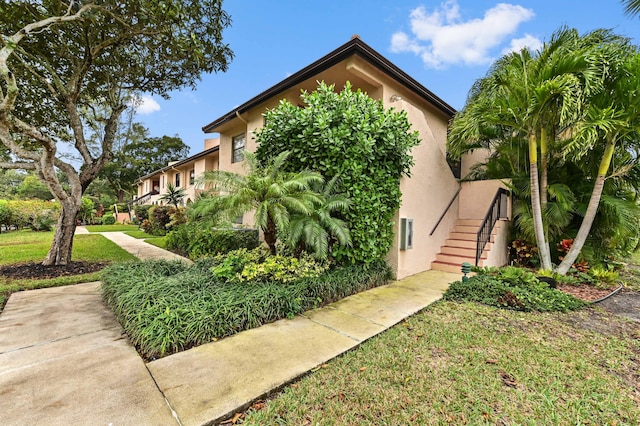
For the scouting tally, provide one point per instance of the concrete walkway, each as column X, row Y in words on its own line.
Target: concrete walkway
column 65, row 360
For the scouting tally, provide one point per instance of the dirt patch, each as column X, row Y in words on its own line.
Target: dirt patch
column 585, row 291
column 39, row 271
column 625, row 303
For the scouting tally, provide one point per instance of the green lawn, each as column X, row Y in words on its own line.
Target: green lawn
column 28, row 246
column 157, row 241
column 116, row 227
column 465, row 363
column 139, row 234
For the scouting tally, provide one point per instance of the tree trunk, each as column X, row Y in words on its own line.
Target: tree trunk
column 60, row 251
column 270, row 235
column 536, row 211
column 590, row 215
column 544, row 161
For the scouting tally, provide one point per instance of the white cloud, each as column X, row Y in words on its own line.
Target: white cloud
column 442, row 38
column 146, row 105
column 517, row 44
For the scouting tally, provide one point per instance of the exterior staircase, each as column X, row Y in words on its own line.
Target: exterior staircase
column 461, row 246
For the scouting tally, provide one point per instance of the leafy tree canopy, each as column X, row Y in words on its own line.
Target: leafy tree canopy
column 141, row 155
column 68, row 64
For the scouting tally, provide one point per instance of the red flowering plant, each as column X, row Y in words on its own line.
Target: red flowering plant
column 563, row 247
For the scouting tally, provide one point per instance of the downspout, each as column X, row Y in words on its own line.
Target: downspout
column 246, row 123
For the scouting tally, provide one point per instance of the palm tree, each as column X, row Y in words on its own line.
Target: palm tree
column 613, row 118
column 525, row 94
column 534, row 97
column 631, row 7
column 273, row 194
column 173, row 195
column 315, row 232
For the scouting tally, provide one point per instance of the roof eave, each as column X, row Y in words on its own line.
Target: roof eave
column 354, row 46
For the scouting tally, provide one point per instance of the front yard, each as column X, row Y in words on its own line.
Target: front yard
column 465, row 363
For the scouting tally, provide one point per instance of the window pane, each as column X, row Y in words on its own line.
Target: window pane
column 238, row 149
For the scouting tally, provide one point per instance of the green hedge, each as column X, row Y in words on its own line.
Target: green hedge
column 351, row 135
column 194, row 240
column 512, row 288
column 166, row 307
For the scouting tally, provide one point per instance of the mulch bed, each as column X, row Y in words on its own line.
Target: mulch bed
column 585, row 292
column 39, row 271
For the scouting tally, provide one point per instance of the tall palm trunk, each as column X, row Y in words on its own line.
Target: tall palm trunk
column 544, row 172
column 536, row 209
column 592, row 209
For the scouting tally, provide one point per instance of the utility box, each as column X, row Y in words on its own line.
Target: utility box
column 406, row 233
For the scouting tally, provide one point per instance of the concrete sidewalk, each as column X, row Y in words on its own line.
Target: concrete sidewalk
column 140, row 249
column 65, row 360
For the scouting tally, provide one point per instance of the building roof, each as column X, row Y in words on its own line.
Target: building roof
column 180, row 163
column 355, row 46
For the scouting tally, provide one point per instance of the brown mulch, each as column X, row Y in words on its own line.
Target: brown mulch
column 39, row 271
column 585, row 292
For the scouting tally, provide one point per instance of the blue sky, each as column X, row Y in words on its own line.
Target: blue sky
column 445, row 45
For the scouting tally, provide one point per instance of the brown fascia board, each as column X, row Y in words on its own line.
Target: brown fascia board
column 180, row 163
column 354, row 47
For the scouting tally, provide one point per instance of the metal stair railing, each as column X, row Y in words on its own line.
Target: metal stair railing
column 142, row 199
column 497, row 210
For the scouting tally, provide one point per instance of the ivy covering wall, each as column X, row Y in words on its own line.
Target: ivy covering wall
column 352, row 135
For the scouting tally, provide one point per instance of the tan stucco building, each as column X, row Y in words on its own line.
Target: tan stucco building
column 439, row 217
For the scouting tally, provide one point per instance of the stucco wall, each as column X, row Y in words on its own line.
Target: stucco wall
column 472, row 158
column 476, row 197
column 425, row 195
column 499, row 253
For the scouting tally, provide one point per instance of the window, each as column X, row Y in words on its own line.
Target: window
column 177, row 180
column 192, row 177
column 238, row 149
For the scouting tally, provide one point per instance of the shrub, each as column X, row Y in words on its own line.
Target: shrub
column 512, row 288
column 108, row 219
column 5, row 214
column 195, row 240
column 159, row 216
column 142, row 212
column 351, row 135
column 167, row 307
column 36, row 214
column 257, row 265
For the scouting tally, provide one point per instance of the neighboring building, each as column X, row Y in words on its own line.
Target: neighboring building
column 439, row 217
column 182, row 174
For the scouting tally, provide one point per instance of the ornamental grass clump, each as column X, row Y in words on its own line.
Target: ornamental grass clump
column 166, row 307
column 512, row 288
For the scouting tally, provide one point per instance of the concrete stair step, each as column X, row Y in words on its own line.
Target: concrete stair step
column 446, row 267
column 458, row 260
column 469, row 222
column 464, row 244
column 468, row 236
column 462, row 251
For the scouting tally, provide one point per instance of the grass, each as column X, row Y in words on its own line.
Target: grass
column 630, row 274
column 28, row 246
column 465, row 363
column 139, row 234
column 157, row 241
column 116, row 227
